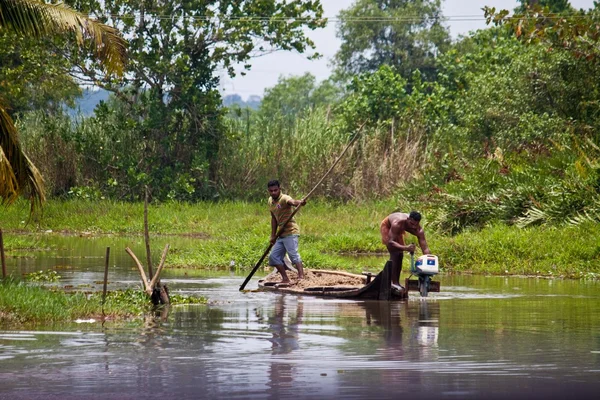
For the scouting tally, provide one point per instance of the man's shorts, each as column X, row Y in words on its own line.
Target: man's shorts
column 286, row 244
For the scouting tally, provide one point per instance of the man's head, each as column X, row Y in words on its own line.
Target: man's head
column 274, row 189
column 413, row 219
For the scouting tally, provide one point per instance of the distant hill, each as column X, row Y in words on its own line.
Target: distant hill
column 253, row 101
column 88, row 102
column 90, row 99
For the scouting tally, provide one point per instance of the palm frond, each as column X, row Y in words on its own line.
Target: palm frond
column 533, row 216
column 31, row 17
column 17, row 172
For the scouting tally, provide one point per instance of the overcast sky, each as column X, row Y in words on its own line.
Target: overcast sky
column 464, row 16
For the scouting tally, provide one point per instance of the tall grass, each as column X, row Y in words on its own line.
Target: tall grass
column 299, row 151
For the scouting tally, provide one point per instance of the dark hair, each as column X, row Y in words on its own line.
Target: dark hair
column 274, row 182
column 415, row 215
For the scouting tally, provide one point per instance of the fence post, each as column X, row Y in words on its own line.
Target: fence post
column 105, row 276
column 2, row 258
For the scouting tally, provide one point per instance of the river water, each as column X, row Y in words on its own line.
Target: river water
column 480, row 337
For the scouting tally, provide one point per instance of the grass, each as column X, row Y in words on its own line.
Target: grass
column 22, row 303
column 239, row 231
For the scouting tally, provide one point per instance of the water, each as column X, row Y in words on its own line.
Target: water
column 480, row 337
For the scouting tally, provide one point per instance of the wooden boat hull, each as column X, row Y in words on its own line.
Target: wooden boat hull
column 378, row 288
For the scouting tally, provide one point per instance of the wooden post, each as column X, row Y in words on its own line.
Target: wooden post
column 147, row 235
column 105, row 275
column 2, row 259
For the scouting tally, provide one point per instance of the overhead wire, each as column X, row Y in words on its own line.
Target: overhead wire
column 406, row 18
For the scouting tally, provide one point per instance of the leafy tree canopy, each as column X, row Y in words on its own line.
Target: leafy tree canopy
column 33, row 75
column 177, row 41
column 178, row 51
column 405, row 34
column 555, row 6
column 292, row 95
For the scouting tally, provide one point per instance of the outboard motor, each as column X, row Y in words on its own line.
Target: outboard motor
column 426, row 266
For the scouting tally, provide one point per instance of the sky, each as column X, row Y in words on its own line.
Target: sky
column 464, row 16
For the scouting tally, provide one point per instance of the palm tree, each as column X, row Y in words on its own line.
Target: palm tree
column 18, row 175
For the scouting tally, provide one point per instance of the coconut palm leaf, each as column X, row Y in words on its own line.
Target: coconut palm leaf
column 17, row 172
column 31, row 17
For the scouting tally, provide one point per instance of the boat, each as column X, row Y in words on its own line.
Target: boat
column 340, row 284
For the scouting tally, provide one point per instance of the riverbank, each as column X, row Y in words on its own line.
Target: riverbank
column 238, row 232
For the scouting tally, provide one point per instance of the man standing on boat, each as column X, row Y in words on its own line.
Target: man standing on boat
column 393, row 228
column 280, row 206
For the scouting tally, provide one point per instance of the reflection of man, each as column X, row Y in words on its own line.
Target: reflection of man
column 285, row 335
column 393, row 228
column 284, row 340
column 387, row 315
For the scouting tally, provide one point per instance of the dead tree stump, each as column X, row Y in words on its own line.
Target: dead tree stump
column 159, row 294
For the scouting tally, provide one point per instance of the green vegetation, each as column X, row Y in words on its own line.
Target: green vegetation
column 23, row 303
column 218, row 233
column 403, row 34
column 42, row 276
column 32, row 26
column 494, row 137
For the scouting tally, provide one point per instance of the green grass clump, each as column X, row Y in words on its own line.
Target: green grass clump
column 569, row 251
column 22, row 303
column 42, row 276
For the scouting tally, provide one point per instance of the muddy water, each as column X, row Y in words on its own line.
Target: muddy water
column 481, row 337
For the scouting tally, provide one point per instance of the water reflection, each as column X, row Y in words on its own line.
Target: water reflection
column 284, row 328
column 285, row 331
column 481, row 337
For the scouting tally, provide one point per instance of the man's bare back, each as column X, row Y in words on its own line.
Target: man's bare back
column 392, row 236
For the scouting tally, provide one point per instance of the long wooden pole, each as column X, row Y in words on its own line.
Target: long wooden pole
column 2, row 258
column 105, row 283
column 280, row 230
column 147, row 235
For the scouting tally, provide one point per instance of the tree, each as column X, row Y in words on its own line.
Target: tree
column 33, row 18
column 374, row 98
column 293, row 95
column 405, row 34
column 178, row 50
column 555, row 6
column 578, row 33
column 33, row 75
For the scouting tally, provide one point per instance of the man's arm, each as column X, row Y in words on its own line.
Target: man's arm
column 273, row 228
column 396, row 232
column 408, row 247
column 422, row 242
column 297, row 203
